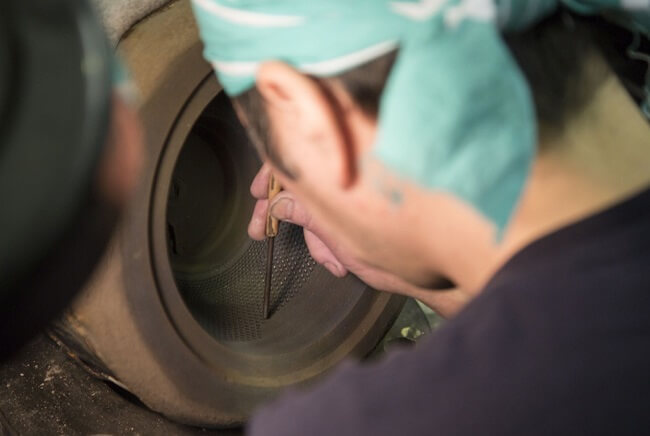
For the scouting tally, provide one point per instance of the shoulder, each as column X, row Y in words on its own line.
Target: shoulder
column 469, row 373
column 554, row 355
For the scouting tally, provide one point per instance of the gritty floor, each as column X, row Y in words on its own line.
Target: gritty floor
column 44, row 392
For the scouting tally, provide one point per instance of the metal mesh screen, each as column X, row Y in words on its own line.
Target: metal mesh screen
column 227, row 301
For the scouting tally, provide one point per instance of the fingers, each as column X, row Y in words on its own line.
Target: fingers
column 286, row 208
column 257, row 225
column 323, row 255
column 260, row 184
column 123, row 157
column 259, row 190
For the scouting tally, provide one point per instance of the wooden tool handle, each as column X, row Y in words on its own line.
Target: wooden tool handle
column 271, row 222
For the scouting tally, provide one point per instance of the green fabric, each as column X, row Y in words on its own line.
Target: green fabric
column 119, row 73
column 122, row 81
column 456, row 115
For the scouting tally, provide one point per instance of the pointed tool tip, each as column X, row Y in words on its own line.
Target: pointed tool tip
column 267, row 280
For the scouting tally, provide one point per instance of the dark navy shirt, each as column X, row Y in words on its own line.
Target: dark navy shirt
column 558, row 343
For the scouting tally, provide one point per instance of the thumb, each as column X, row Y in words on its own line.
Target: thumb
column 286, row 208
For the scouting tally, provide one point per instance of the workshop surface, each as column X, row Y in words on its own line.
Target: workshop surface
column 44, row 391
column 119, row 15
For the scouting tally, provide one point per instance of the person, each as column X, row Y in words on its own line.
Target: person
column 411, row 149
column 64, row 183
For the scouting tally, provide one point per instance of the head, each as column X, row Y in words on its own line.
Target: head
column 65, row 181
column 318, row 134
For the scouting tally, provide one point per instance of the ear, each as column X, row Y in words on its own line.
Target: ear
column 304, row 113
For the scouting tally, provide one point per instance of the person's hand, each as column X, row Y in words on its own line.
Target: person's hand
column 123, row 155
column 326, row 250
column 322, row 248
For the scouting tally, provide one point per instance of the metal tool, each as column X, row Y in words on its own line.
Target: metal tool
column 272, row 226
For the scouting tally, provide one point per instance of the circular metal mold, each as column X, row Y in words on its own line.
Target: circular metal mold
column 318, row 321
column 219, row 271
column 132, row 315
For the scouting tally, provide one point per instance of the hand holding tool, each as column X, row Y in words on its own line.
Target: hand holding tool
column 272, row 226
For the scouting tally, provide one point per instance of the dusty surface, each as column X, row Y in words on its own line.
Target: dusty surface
column 45, row 392
column 120, row 15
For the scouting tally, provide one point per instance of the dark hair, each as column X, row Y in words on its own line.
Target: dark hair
column 553, row 56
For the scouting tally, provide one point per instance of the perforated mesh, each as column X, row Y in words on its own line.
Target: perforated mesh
column 228, row 303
